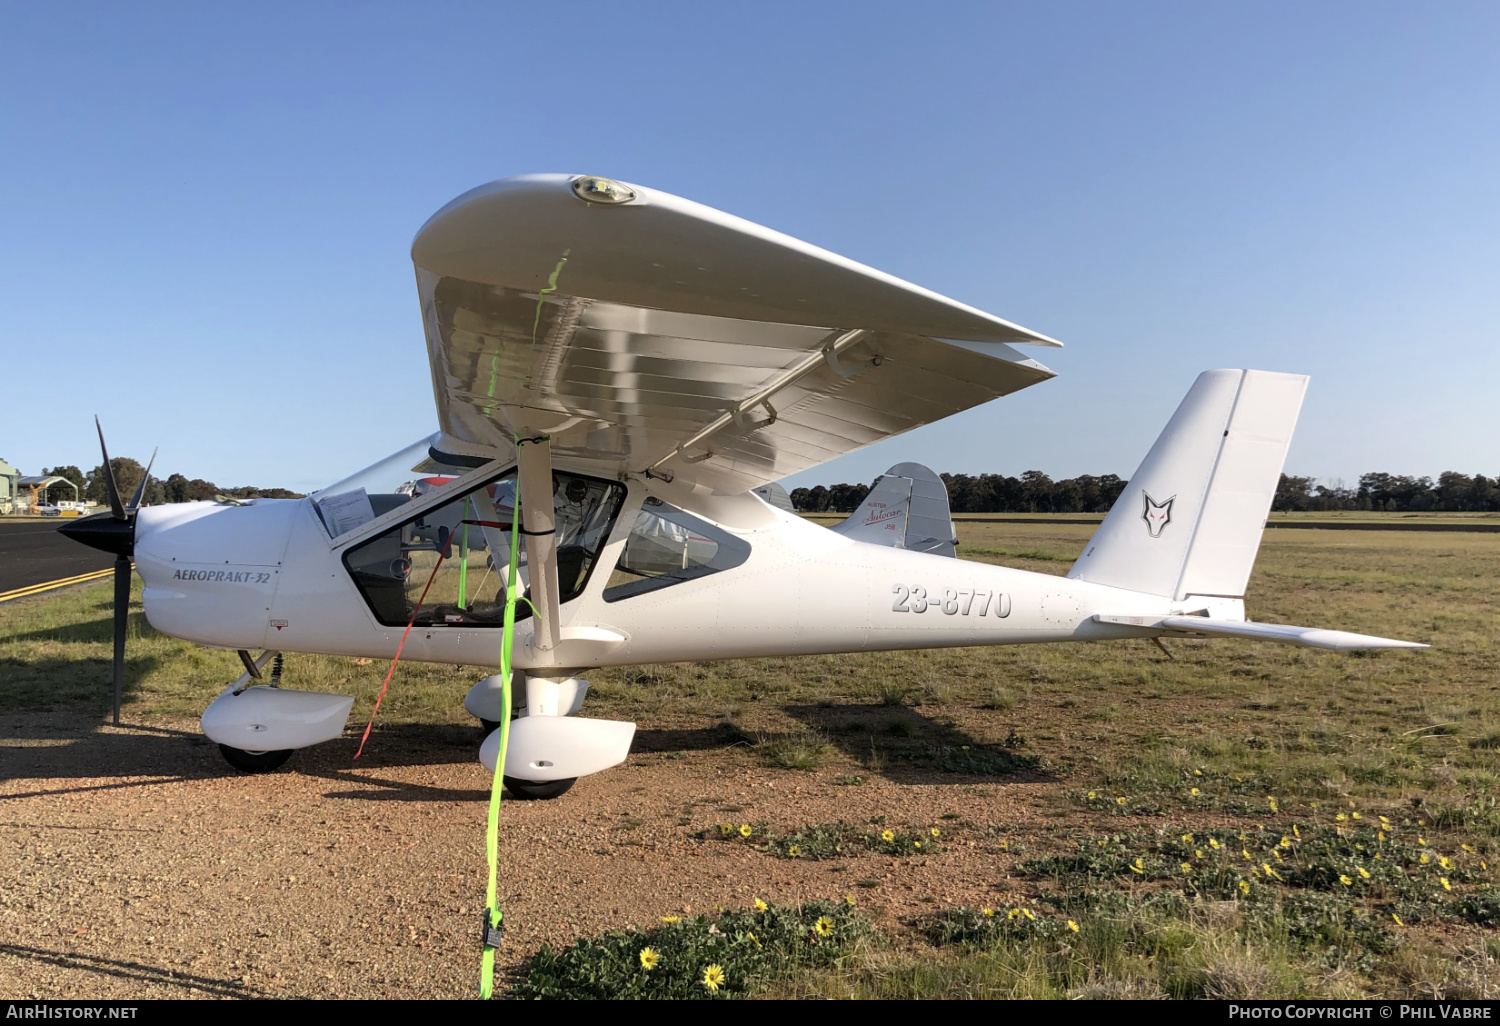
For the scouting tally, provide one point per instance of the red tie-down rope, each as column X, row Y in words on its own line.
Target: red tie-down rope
column 389, row 673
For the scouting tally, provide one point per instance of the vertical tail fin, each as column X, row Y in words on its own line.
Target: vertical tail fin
column 1190, row 521
column 906, row 509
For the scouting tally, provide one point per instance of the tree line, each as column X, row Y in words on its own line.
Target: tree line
column 176, row 488
column 1035, row 492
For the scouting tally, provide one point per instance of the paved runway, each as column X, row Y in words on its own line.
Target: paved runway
column 32, row 552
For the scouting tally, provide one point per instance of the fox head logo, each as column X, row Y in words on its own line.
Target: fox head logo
column 1157, row 514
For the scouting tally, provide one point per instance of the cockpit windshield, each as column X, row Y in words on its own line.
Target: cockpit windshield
column 381, row 487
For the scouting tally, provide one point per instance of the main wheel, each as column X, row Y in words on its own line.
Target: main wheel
column 256, row 762
column 538, row 790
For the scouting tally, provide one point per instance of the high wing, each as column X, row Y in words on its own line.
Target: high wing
column 646, row 333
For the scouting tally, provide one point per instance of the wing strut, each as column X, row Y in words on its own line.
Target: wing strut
column 539, row 524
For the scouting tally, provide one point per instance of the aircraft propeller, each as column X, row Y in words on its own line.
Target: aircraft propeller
column 114, row 532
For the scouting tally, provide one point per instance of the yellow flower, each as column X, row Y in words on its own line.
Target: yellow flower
column 936, row 832
column 1273, row 803
column 1312, row 805
column 1194, row 791
column 713, row 978
column 726, row 829
column 745, row 830
column 1092, row 795
column 1295, row 832
column 1422, row 840
column 1244, row 853
column 1029, row 914
column 1424, row 860
column 888, row 835
column 669, row 920
column 1014, row 913
column 1397, row 919
column 823, row 927
column 793, row 850
column 849, row 900
column 1444, row 881
column 1277, row 854
column 1138, row 866
column 1197, row 853
column 1353, row 815
column 1005, row 844
column 988, row 911
column 1421, row 822
column 1483, row 866
column 1385, row 821
column 1466, row 848
column 1286, row 842
column 1244, row 886
column 1188, row 838
column 754, row 939
column 649, row 958
column 1380, row 836
column 1187, row 867
column 1072, row 926
column 760, row 905
column 917, row 843
column 1445, row 862
column 1119, row 801
column 1343, row 879
column 1197, row 773
column 1269, row 871
column 1341, row 817
column 1364, row 872
column 1213, row 844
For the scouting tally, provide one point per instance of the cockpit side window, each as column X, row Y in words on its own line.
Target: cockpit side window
column 471, row 532
column 668, row 546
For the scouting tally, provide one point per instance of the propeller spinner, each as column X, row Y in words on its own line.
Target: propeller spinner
column 114, row 532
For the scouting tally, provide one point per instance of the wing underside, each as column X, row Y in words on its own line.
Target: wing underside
column 668, row 337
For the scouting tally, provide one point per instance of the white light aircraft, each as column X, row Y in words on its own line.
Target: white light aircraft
column 651, row 366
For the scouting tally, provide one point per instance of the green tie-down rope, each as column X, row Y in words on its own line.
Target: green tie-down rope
column 493, row 917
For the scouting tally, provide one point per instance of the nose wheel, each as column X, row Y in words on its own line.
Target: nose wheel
column 530, row 790
column 254, row 762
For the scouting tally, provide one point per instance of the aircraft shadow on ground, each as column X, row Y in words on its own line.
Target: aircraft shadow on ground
column 906, row 747
column 134, row 972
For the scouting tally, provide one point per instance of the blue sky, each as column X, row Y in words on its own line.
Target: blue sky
column 205, row 211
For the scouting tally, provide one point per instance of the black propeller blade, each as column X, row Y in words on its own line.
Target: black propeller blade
column 114, row 532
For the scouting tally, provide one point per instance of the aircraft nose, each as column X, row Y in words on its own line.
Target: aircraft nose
column 102, row 531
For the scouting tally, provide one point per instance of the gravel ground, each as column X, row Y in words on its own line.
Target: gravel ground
column 135, row 864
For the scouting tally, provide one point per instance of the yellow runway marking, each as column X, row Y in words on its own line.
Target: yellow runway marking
column 37, row 589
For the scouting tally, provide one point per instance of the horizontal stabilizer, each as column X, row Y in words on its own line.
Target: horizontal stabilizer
column 1312, row 637
column 906, row 509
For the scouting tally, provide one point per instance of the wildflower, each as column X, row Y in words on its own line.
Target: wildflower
column 1194, row 792
column 1254, row 871
column 1120, row 801
column 1014, row 913
column 1380, row 836
column 1029, row 914
column 1422, row 841
column 1421, row 822
column 1187, row 867
column 1072, row 926
column 1444, row 881
column 888, row 835
column 1277, row 855
column 1197, row 853
column 726, row 829
column 1384, row 820
column 1197, row 773
column 1341, row 817
column 1212, row 843
column 1397, row 919
column 745, row 830
column 917, row 843
column 649, row 958
column 1466, row 848
column 1244, row 886
column 1483, row 866
column 1353, row 815
column 1269, row 871
column 849, row 900
column 1295, row 832
column 1245, row 853
column 936, row 832
column 760, row 905
column 1005, row 844
column 754, row 940
column 1343, row 879
column 669, row 920
column 823, row 927
column 793, row 851
column 1188, row 838
column 1138, row 866
column 1424, row 860
column 713, row 978
column 1092, row 795
column 1364, row 872
column 1312, row 805
column 1286, row 842
column 1445, row 862
column 988, row 912
column 1272, row 800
